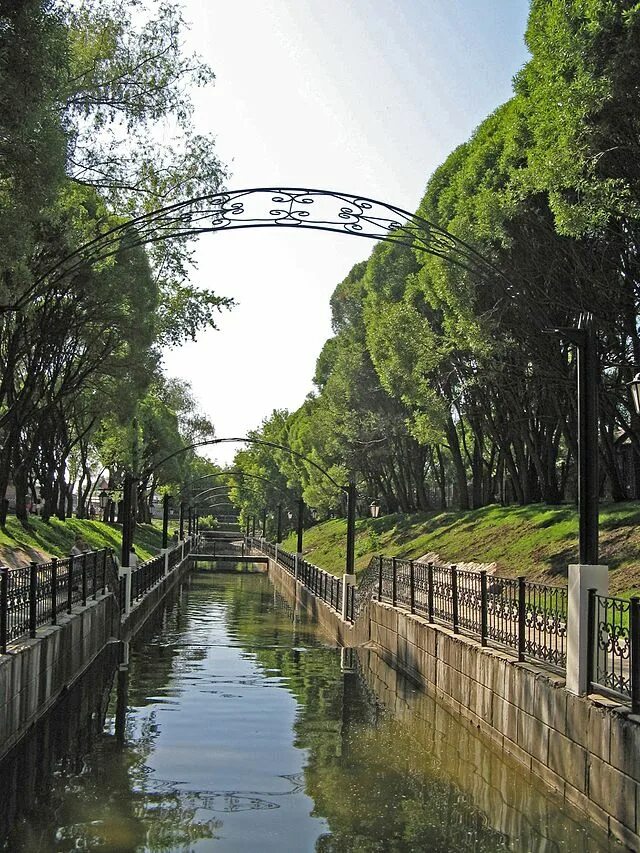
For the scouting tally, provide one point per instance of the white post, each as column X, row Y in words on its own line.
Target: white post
column 346, row 579
column 165, row 551
column 125, row 572
column 581, row 579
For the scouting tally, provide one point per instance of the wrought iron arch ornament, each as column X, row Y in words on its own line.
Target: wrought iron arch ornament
column 237, row 473
column 279, row 207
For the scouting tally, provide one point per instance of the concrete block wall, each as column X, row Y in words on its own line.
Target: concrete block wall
column 487, row 778
column 35, row 672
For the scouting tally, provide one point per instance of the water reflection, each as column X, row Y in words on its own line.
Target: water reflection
column 245, row 730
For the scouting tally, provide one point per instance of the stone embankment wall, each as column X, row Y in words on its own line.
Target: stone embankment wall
column 35, row 672
column 585, row 748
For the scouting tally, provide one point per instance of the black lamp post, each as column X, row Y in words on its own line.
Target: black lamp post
column 279, row 524
column 264, row 523
column 300, row 523
column 181, row 520
column 165, row 521
column 127, row 519
column 351, row 527
column 247, row 527
column 584, row 339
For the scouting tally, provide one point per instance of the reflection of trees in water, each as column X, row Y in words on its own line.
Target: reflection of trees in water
column 54, row 750
column 359, row 781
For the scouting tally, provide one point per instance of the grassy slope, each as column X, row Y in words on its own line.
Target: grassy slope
column 55, row 538
column 537, row 541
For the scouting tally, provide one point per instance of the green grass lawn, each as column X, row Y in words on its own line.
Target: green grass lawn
column 55, row 538
column 537, row 540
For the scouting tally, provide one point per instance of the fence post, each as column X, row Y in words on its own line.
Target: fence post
column 522, row 614
column 394, row 580
column 430, row 591
column 4, row 607
column 33, row 585
column 412, row 588
column 104, row 570
column 483, row 607
column 69, row 584
column 591, row 639
column 380, row 577
column 84, row 579
column 347, row 580
column 454, row 598
column 54, row 591
column 634, row 619
column 582, row 578
column 95, row 575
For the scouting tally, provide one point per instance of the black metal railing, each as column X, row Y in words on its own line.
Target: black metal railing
column 614, row 646
column 146, row 575
column 322, row 584
column 37, row 594
column 529, row 618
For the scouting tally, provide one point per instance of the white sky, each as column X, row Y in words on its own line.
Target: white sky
column 362, row 96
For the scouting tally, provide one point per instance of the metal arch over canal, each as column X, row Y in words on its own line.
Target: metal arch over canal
column 279, row 207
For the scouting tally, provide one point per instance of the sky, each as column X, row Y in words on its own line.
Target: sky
column 363, row 96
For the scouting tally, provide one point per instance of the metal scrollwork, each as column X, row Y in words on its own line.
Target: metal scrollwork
column 308, row 209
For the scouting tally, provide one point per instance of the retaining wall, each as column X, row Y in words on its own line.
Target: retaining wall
column 35, row 672
column 586, row 748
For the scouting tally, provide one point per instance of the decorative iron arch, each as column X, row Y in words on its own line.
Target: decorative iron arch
column 234, row 472
column 281, row 207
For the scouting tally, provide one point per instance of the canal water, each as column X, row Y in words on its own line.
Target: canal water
column 246, row 730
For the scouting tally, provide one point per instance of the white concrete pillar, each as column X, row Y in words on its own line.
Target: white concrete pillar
column 346, row 579
column 581, row 579
column 276, row 553
column 125, row 572
column 166, row 551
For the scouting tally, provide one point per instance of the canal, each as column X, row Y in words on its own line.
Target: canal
column 246, row 730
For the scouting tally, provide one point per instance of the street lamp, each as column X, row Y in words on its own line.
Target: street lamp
column 634, row 386
column 103, row 497
column 374, row 509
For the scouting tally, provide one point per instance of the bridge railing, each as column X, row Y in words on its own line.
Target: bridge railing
column 37, row 594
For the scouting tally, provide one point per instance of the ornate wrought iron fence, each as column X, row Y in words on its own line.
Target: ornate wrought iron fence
column 614, row 646
column 37, row 594
column 529, row 618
